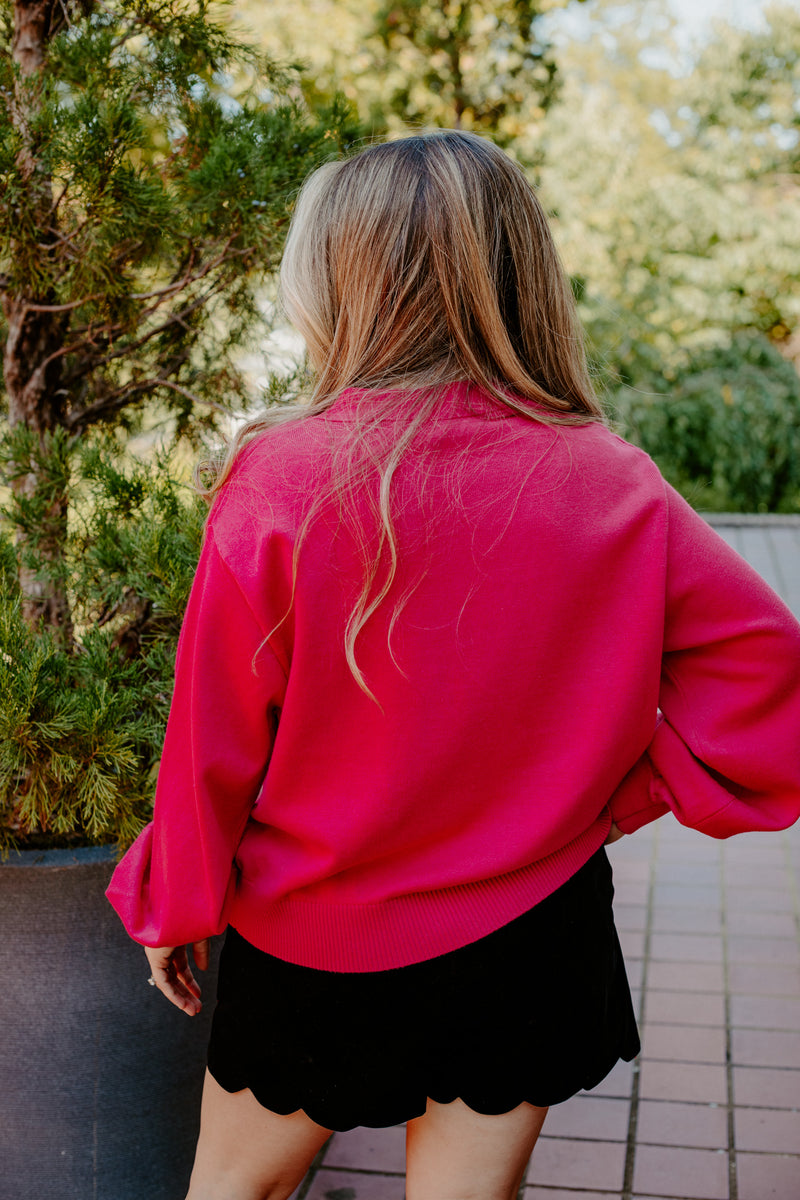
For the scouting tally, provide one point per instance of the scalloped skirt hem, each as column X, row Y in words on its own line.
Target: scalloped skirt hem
column 536, row 1011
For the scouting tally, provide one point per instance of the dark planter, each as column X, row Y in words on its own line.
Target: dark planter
column 101, row 1077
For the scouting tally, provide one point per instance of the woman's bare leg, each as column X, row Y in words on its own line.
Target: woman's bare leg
column 453, row 1153
column 246, row 1152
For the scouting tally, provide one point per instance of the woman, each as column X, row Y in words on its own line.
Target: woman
column 448, row 636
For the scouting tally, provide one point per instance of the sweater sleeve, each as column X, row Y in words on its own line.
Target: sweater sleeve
column 725, row 756
column 174, row 884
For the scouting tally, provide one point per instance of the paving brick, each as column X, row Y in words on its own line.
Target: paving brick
column 671, row 831
column 634, row 969
column 782, row 951
column 686, row 947
column 686, row 977
column 566, row 1163
column 699, row 1082
column 632, row 869
column 540, row 1193
column 686, row 1008
column 669, row 1171
column 686, row 920
column 754, row 924
column 745, row 875
column 618, row 1082
column 701, row 850
column 765, row 1048
column 345, row 1185
column 667, row 1123
column 630, row 916
column 634, row 891
column 369, row 1149
column 765, row 1012
column 632, row 943
column 695, row 874
column 760, row 900
column 769, row 1088
column 680, row 895
column 769, row 853
column 774, row 1130
column 764, row 979
column 632, row 848
column 683, row 1043
column 768, row 1177
column 589, row 1117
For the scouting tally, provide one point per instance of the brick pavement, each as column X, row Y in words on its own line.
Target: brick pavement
column 711, row 1110
column 711, row 933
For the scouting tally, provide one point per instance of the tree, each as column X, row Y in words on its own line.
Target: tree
column 148, row 158
column 676, row 195
column 485, row 65
column 726, row 429
column 475, row 64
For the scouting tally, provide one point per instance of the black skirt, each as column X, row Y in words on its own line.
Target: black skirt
column 535, row 1011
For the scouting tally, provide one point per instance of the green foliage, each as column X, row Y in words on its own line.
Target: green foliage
column 467, row 63
column 146, row 177
column 38, row 515
column 149, row 157
column 135, row 543
column 677, row 196
column 677, row 206
column 740, row 110
column 485, row 65
column 76, row 740
column 81, row 730
column 726, row 430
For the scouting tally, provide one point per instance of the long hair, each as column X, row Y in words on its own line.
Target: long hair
column 412, row 265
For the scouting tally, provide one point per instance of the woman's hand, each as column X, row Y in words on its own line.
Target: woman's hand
column 614, row 834
column 169, row 967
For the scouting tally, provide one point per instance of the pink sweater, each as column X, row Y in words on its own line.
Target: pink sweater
column 563, row 594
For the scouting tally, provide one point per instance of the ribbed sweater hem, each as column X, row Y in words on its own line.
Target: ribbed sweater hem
column 410, row 928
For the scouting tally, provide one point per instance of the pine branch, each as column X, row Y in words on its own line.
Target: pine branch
column 60, row 308
column 62, row 238
column 93, row 363
column 159, row 381
column 113, row 403
column 188, row 278
column 59, row 198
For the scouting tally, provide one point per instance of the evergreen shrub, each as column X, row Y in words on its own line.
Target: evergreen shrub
column 726, row 430
column 81, row 727
column 150, row 155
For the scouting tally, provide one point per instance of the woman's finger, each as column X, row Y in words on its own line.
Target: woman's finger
column 167, row 972
column 614, row 834
column 183, row 973
column 178, row 994
column 200, row 951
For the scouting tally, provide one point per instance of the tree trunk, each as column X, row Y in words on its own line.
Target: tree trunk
column 33, row 27
column 35, row 335
column 33, row 395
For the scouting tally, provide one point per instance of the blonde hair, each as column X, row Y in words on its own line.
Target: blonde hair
column 412, row 265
